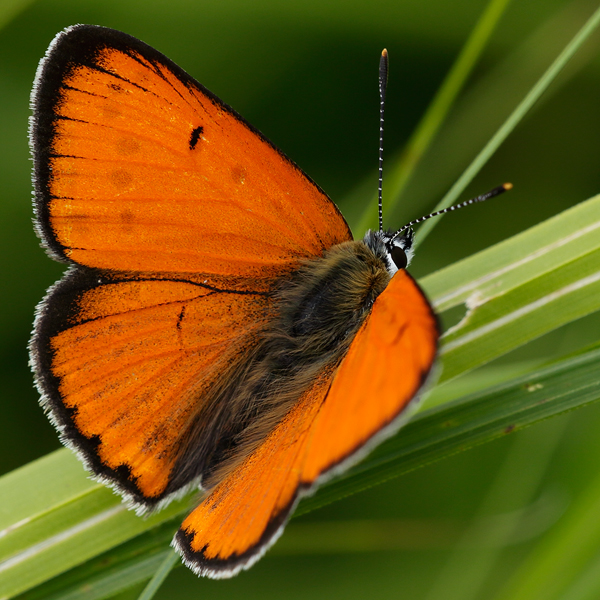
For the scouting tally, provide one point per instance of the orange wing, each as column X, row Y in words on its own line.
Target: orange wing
column 140, row 168
column 124, row 364
column 333, row 423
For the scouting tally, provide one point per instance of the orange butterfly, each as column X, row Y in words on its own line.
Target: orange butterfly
column 218, row 326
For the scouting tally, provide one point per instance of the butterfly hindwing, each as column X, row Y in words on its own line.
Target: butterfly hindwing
column 124, row 364
column 180, row 218
column 332, row 425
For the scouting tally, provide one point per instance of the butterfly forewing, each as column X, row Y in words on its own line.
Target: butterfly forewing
column 180, row 218
column 387, row 364
column 139, row 168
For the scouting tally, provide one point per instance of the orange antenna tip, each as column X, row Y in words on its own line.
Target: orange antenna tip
column 508, row 186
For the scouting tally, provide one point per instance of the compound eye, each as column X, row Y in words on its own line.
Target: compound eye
column 399, row 257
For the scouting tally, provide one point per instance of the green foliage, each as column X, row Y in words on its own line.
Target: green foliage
column 78, row 519
column 520, row 288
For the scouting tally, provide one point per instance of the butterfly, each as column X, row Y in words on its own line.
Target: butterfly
column 218, row 327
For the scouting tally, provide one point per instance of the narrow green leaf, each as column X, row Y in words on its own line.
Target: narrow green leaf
column 70, row 530
column 116, row 570
column 534, row 283
column 27, row 517
column 134, row 562
column 431, row 436
column 513, row 120
column 169, row 561
column 517, row 260
column 511, row 319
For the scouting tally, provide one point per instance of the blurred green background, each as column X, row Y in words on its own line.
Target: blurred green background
column 305, row 73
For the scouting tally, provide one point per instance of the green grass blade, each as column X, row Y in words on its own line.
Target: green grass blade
column 521, row 288
column 75, row 519
column 535, row 308
column 398, row 176
column 129, row 565
column 519, row 259
column 431, row 436
column 513, row 120
column 114, row 571
column 31, row 521
column 170, row 560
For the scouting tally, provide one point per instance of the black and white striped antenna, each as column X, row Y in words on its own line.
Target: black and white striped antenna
column 495, row 192
column 383, row 79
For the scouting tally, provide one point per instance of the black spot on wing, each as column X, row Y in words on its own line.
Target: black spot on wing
column 180, row 318
column 196, row 133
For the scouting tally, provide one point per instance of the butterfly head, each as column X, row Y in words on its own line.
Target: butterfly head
column 395, row 250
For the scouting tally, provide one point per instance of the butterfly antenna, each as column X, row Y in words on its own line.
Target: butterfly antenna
column 491, row 194
column 383, row 79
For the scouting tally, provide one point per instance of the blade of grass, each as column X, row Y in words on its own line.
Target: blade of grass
column 322, row 537
column 480, row 379
column 517, row 260
column 507, row 321
column 432, row 435
column 46, row 527
column 161, row 574
column 28, row 518
column 69, row 533
column 116, row 570
column 402, row 168
column 513, row 120
column 520, row 288
column 485, row 104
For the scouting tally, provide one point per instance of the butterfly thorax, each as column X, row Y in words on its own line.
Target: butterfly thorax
column 317, row 312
